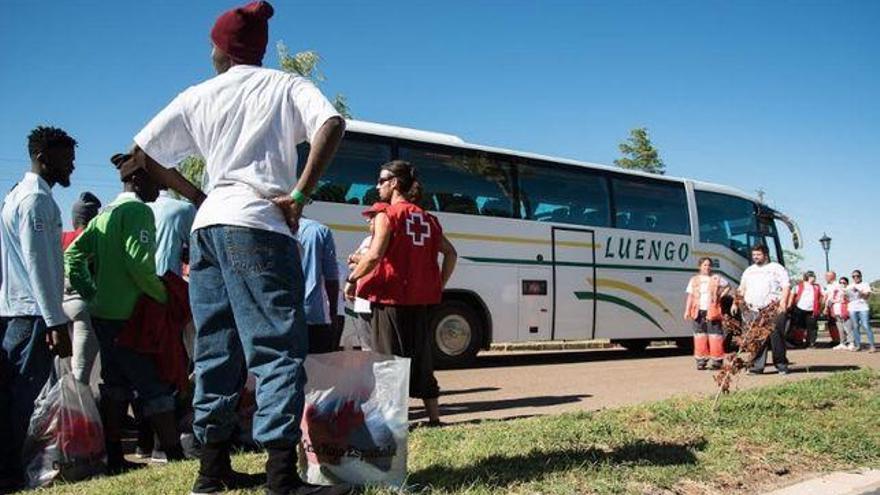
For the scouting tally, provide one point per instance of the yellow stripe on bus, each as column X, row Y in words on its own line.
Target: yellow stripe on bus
column 481, row 237
column 617, row 284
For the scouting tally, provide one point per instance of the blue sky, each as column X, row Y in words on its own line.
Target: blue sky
column 780, row 96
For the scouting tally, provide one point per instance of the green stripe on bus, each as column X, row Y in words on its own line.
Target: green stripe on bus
column 586, row 296
column 511, row 261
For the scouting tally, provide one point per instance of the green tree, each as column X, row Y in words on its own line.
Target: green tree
column 640, row 154
column 792, row 260
column 306, row 65
column 874, row 300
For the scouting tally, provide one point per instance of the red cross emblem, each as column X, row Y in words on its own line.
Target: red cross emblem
column 417, row 228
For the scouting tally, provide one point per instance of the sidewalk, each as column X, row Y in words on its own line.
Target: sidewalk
column 866, row 482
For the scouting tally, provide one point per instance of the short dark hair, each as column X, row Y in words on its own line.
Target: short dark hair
column 857, row 272
column 761, row 247
column 843, row 279
column 44, row 138
column 809, row 274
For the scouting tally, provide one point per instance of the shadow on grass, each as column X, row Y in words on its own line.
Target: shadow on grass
column 499, row 471
column 451, row 409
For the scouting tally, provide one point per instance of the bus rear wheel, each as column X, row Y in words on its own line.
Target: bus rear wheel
column 456, row 334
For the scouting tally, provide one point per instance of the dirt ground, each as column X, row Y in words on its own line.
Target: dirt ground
column 503, row 385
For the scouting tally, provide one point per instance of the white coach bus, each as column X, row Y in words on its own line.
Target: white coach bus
column 550, row 249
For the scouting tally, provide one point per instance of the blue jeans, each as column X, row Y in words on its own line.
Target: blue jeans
column 246, row 290
column 124, row 370
column 27, row 363
column 861, row 319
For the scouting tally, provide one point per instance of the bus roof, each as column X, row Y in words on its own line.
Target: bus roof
column 452, row 140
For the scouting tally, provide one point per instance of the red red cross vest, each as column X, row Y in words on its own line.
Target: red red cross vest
column 409, row 273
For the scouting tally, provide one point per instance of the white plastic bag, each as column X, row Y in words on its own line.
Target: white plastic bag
column 355, row 422
column 65, row 438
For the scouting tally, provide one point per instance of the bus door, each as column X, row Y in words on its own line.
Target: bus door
column 574, row 269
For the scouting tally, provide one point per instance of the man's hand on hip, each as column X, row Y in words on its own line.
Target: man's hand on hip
column 291, row 209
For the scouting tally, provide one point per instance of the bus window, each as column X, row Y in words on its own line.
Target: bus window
column 728, row 220
column 351, row 177
column 563, row 194
column 454, row 181
column 652, row 206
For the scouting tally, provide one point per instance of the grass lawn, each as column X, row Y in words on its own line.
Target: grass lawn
column 756, row 439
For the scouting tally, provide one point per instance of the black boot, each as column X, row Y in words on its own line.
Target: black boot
column 112, row 416
column 116, row 462
column 169, row 439
column 216, row 474
column 282, row 478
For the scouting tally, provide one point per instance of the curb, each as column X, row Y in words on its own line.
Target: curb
column 858, row 482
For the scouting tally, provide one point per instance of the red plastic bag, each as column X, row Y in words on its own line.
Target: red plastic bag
column 65, row 439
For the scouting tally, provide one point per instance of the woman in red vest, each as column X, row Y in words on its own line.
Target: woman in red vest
column 399, row 275
column 806, row 304
column 703, row 307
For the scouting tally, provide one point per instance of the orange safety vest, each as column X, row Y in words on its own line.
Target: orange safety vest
column 693, row 300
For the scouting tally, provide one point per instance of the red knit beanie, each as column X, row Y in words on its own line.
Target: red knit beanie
column 243, row 32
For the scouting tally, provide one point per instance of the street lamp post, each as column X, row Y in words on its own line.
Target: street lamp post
column 826, row 246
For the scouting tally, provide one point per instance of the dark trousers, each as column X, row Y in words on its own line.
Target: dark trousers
column 25, row 365
column 804, row 319
column 322, row 338
column 776, row 342
column 403, row 331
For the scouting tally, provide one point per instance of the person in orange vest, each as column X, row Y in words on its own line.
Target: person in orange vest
column 401, row 278
column 806, row 304
column 703, row 308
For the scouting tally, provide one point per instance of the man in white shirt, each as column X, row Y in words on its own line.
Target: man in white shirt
column 246, row 279
column 860, row 313
column 766, row 283
column 32, row 288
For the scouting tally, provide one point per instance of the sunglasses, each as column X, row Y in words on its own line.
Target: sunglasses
column 385, row 179
column 856, row 276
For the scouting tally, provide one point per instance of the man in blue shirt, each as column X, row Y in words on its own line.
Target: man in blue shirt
column 174, row 219
column 32, row 288
column 321, row 272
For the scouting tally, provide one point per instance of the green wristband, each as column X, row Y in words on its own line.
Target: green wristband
column 299, row 197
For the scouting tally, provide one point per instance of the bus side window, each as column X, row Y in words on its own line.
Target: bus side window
column 558, row 193
column 459, row 181
column 351, row 177
column 651, row 206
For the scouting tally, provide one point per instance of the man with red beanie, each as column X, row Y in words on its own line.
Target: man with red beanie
column 246, row 280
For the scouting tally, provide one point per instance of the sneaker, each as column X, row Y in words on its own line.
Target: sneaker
column 783, row 370
column 141, row 453
column 872, row 349
column 839, row 347
column 158, row 457
column 852, row 347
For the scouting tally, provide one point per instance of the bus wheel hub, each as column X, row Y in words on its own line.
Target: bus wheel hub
column 453, row 335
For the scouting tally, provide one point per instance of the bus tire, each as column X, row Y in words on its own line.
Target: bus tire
column 456, row 334
column 635, row 345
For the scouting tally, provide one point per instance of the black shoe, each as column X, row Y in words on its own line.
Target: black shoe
column 281, row 477
column 216, row 474
column 701, row 366
column 783, row 370
column 116, row 462
column 231, row 480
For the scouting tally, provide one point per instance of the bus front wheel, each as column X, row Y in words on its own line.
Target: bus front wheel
column 456, row 332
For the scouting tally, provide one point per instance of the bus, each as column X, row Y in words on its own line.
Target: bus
column 549, row 248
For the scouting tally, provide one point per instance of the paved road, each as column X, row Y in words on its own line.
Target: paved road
column 520, row 384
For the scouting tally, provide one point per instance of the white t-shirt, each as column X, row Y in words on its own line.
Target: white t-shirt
column 808, row 298
column 705, row 296
column 856, row 303
column 362, row 306
column 246, row 123
column 763, row 284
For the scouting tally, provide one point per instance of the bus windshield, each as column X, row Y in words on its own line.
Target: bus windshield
column 734, row 222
